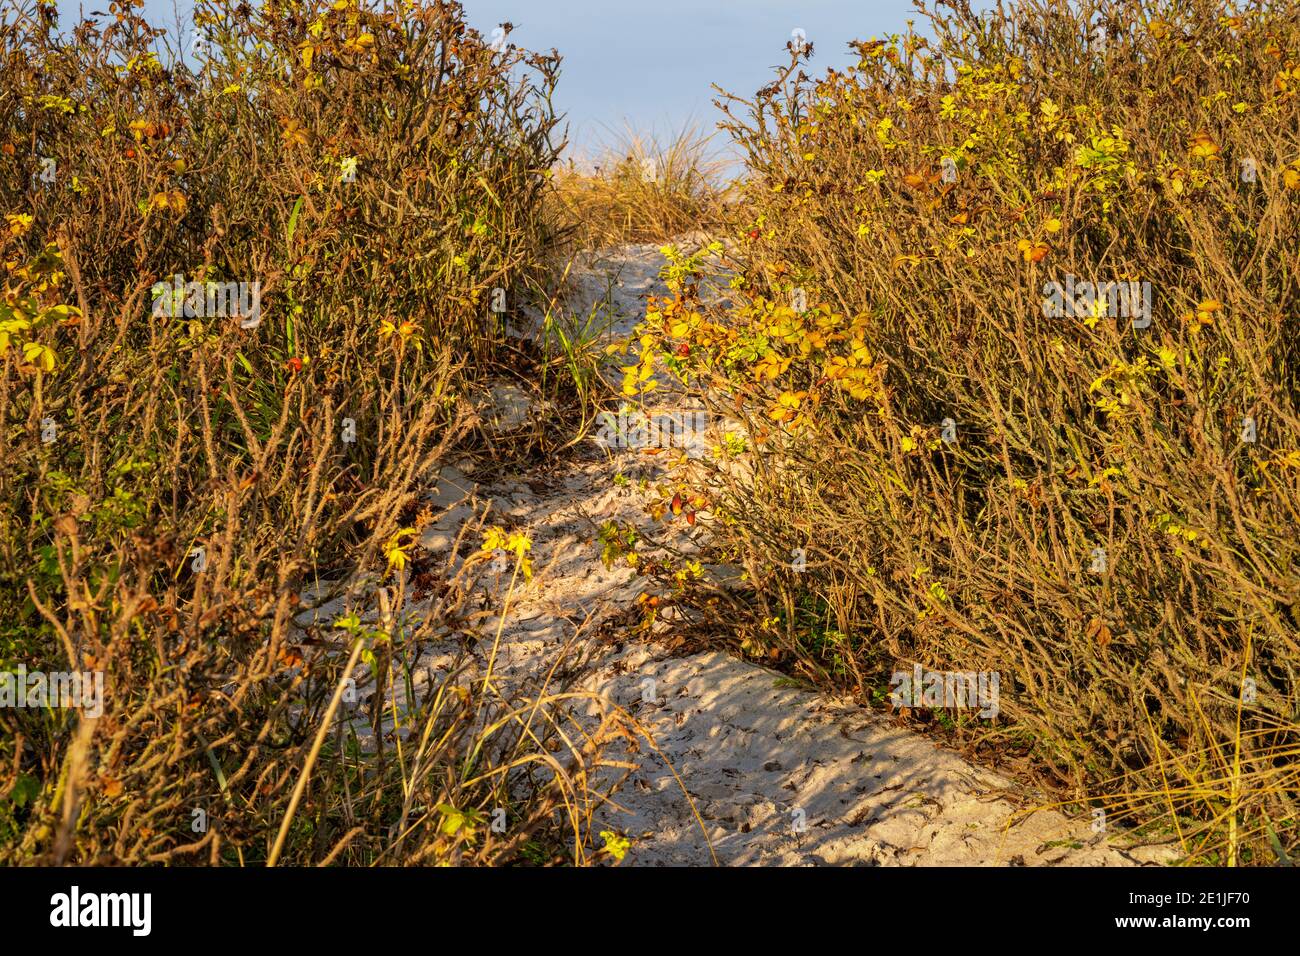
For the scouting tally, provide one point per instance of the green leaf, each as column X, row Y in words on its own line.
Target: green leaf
column 293, row 218
column 25, row 790
column 1282, row 858
column 453, row 819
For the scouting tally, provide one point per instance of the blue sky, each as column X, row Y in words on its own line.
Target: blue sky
column 648, row 65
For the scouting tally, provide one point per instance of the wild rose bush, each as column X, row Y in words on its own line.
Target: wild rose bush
column 937, row 458
column 179, row 471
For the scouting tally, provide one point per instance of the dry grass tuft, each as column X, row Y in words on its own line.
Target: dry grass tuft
column 640, row 189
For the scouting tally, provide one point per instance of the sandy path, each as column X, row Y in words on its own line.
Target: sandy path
column 779, row 775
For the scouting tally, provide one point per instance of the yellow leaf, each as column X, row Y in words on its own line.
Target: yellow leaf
column 36, row 354
column 1203, row 146
column 615, row 845
column 19, row 224
column 395, row 550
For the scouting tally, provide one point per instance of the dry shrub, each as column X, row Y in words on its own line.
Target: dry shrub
column 1102, row 511
column 173, row 481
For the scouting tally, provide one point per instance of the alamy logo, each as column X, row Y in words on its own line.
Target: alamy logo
column 1093, row 300
column 67, row 689
column 134, row 910
column 632, row 428
column 198, row 300
column 959, row 689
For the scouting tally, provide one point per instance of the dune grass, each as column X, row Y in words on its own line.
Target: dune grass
column 640, row 188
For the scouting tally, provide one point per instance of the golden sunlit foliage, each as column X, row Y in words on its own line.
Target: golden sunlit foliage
column 1013, row 345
